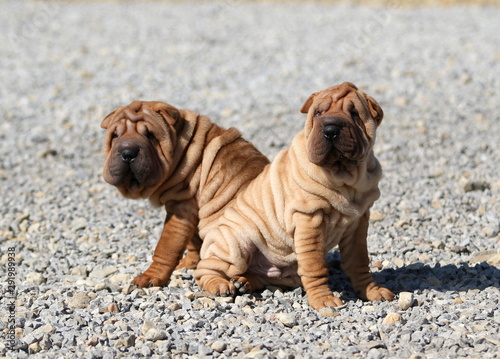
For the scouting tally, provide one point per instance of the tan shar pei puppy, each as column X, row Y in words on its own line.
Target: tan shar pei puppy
column 182, row 161
column 315, row 195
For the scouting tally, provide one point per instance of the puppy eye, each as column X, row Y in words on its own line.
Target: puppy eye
column 354, row 112
column 150, row 136
column 114, row 136
column 317, row 113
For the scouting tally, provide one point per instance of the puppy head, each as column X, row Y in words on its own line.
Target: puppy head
column 139, row 145
column 340, row 125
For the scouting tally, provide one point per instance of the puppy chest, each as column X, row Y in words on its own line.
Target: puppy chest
column 335, row 228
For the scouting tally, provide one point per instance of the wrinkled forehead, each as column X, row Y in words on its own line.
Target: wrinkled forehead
column 335, row 100
column 139, row 115
column 135, row 114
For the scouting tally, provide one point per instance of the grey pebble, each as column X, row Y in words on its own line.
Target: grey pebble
column 406, row 300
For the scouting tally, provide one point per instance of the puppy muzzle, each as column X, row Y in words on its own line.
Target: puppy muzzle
column 332, row 126
column 129, row 154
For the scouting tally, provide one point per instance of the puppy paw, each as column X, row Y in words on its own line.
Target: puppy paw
column 319, row 302
column 219, row 287
column 374, row 292
column 145, row 280
column 241, row 284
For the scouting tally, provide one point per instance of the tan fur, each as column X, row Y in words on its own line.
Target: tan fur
column 279, row 229
column 185, row 163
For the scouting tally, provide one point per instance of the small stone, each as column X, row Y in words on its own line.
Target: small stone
column 224, row 299
column 241, row 300
column 79, row 223
column 207, row 302
column 93, row 341
column 121, row 277
column 398, row 262
column 103, row 273
column 146, row 326
column 400, row 223
column 491, row 257
column 219, row 346
column 79, row 300
column 392, row 318
column 34, row 348
column 35, row 278
column 490, row 232
column 176, row 283
column 189, row 295
column 155, row 334
column 328, row 312
column 368, row 309
column 174, row 306
column 436, row 203
column 256, row 354
column 100, row 286
column 376, row 216
column 113, row 308
column 128, row 288
column 469, row 186
column 46, row 343
column 84, row 282
column 80, row 271
column 406, row 300
column 286, row 319
column 45, row 329
column 125, row 342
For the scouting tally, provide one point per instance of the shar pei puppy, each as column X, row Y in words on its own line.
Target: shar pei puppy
column 181, row 160
column 315, row 195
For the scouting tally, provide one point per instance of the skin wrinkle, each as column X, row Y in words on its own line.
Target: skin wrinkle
column 297, row 210
column 185, row 170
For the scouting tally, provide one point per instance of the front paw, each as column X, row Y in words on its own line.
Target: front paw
column 219, row 286
column 147, row 280
column 326, row 300
column 242, row 285
column 374, row 292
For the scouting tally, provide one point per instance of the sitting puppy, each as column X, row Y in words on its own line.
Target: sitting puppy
column 315, row 195
column 180, row 160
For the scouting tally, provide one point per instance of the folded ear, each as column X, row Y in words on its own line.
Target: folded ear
column 171, row 114
column 375, row 109
column 107, row 119
column 308, row 103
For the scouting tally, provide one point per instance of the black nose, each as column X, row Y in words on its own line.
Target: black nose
column 129, row 154
column 331, row 131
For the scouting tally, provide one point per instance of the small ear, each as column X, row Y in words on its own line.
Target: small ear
column 308, row 103
column 171, row 114
column 107, row 119
column 375, row 109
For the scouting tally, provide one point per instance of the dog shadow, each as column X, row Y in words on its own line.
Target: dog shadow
column 419, row 276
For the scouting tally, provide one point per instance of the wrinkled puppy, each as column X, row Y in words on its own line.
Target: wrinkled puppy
column 314, row 195
column 180, row 160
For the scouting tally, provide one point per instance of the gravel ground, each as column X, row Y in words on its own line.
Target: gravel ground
column 70, row 245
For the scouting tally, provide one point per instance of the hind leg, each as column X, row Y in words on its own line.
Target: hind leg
column 223, row 257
